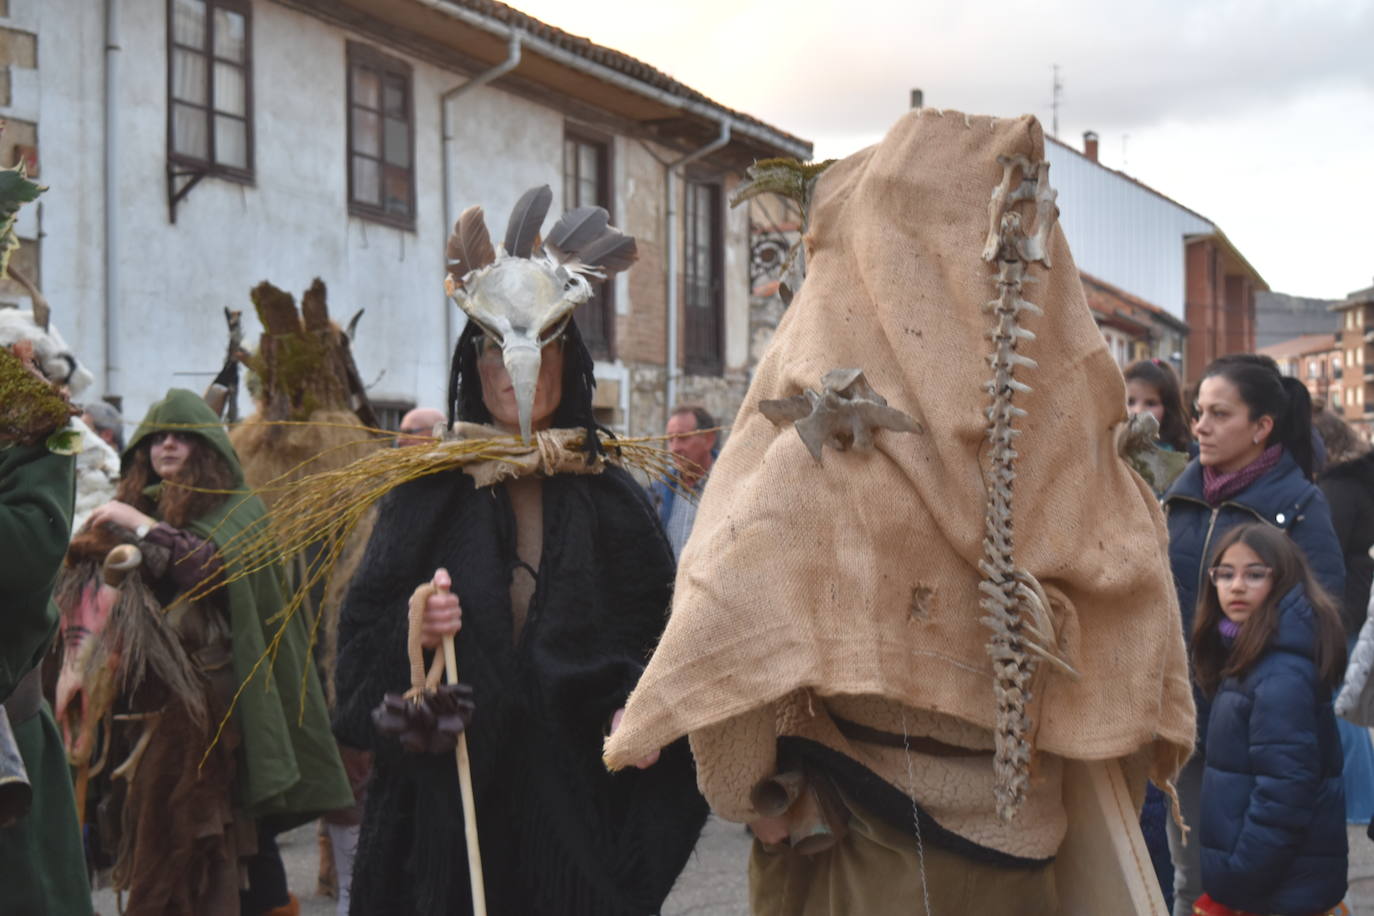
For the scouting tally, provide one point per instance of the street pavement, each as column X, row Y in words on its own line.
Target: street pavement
column 715, row 882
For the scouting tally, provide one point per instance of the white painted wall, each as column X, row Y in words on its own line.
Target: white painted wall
column 292, row 223
column 1121, row 232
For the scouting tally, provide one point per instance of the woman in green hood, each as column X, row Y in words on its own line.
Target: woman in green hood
column 182, row 844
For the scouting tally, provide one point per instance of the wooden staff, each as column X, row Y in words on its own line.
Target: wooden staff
column 479, row 891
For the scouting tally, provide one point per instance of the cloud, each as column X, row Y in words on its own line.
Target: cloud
column 1257, row 113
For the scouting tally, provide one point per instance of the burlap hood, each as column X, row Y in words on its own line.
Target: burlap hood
column 859, row 575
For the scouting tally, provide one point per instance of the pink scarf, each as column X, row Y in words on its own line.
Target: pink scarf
column 1218, row 486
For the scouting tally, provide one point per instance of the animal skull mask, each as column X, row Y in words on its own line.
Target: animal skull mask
column 523, row 295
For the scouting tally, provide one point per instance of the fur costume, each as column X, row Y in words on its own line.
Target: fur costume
column 559, row 834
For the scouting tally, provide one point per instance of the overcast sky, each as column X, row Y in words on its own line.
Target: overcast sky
column 1258, row 114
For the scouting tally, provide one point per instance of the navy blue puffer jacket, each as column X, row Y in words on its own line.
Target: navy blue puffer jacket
column 1273, row 804
column 1283, row 498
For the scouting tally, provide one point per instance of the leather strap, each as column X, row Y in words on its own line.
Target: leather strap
column 23, row 704
column 919, row 744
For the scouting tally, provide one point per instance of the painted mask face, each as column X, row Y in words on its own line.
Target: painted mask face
column 522, row 295
column 498, row 388
column 522, row 304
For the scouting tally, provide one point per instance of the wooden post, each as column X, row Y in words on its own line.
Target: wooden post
column 1103, row 866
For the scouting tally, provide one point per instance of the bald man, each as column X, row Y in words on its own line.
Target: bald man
column 417, row 426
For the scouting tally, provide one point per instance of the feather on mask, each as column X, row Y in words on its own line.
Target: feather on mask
column 523, row 294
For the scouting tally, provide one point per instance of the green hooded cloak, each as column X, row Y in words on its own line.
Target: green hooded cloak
column 291, row 769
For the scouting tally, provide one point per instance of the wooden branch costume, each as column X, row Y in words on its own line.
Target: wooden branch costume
column 931, row 632
column 564, row 576
column 172, row 653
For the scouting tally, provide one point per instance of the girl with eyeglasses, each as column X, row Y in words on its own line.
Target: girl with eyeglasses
column 1268, row 647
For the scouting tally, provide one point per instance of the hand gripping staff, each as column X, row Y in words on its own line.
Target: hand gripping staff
column 422, row 689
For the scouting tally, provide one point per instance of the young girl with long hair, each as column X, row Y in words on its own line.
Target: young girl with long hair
column 1268, row 647
column 1152, row 387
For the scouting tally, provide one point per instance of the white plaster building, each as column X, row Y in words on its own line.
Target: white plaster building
column 196, row 147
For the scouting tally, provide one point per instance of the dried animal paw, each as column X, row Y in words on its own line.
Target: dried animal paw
column 844, row 414
column 430, row 723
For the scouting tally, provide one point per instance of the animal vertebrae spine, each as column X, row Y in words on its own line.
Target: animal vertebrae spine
column 1008, row 593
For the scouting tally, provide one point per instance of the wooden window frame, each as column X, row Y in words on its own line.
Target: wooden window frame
column 701, row 363
column 357, row 53
column 606, row 289
column 208, row 166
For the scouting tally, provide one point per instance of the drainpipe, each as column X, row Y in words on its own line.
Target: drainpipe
column 111, row 200
column 486, row 76
column 670, row 233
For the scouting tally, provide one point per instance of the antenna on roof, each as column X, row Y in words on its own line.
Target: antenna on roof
column 1054, row 105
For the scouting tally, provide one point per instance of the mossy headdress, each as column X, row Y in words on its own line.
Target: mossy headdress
column 524, row 293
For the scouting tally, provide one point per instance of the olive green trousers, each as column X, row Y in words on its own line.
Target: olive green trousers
column 875, row 870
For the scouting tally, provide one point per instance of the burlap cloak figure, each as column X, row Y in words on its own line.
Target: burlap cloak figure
column 859, row 575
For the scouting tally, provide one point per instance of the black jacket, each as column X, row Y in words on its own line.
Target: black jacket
column 559, row 834
column 1349, row 488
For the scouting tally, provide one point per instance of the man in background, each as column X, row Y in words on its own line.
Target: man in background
column 417, row 426
column 695, row 451
column 106, row 423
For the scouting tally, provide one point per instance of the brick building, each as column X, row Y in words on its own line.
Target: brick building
column 1317, row 361
column 1355, row 341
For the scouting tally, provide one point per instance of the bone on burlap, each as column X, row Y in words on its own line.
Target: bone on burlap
column 859, row 575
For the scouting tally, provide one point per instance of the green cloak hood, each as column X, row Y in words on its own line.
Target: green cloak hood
column 291, row 768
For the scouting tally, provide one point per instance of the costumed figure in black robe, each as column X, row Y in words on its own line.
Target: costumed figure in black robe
column 561, row 582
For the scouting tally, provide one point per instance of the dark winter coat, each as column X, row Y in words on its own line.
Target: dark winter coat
column 1283, row 498
column 1349, row 488
column 559, row 834
column 42, row 867
column 1273, row 804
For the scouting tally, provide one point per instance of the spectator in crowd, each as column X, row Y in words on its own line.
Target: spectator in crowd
column 1254, row 432
column 417, row 426
column 695, row 452
column 106, row 422
column 1348, row 482
column 1268, row 648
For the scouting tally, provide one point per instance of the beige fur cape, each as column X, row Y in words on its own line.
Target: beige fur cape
column 859, row 574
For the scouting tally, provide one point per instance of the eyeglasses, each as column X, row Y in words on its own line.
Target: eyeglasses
column 1252, row 576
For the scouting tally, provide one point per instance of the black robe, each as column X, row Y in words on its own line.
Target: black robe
column 559, row 834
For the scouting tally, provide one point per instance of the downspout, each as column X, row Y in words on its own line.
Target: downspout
column 671, row 234
column 111, row 200
column 486, row 76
